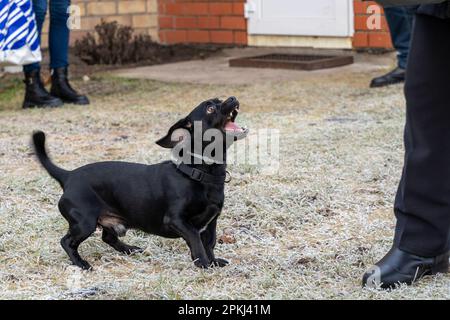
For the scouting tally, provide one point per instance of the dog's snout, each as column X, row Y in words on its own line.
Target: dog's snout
column 231, row 101
column 230, row 104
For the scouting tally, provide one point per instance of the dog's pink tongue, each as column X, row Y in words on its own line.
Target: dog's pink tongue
column 231, row 126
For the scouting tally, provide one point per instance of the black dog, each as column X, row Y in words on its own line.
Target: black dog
column 168, row 199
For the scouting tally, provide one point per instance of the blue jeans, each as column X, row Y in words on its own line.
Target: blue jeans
column 58, row 42
column 400, row 21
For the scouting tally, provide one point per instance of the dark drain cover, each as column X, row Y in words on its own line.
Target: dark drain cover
column 292, row 61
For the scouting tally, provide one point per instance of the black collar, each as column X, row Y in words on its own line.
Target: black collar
column 199, row 175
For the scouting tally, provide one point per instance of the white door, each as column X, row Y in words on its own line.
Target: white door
column 300, row 17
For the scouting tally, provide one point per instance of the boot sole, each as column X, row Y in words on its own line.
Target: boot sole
column 386, row 84
column 77, row 103
column 29, row 105
column 80, row 103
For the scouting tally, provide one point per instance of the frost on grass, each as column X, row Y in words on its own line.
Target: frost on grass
column 308, row 232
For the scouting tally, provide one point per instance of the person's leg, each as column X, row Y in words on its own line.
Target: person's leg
column 422, row 204
column 40, row 9
column 59, row 34
column 35, row 93
column 400, row 21
column 423, row 200
column 59, row 49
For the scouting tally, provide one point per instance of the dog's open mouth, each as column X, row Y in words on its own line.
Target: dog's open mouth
column 231, row 128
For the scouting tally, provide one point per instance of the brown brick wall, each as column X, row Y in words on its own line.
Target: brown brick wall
column 365, row 38
column 202, row 21
column 198, row 21
column 142, row 15
column 222, row 21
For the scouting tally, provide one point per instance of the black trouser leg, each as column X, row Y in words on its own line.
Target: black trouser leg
column 422, row 205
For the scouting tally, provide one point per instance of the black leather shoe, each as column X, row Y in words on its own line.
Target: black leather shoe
column 62, row 89
column 401, row 267
column 395, row 76
column 35, row 93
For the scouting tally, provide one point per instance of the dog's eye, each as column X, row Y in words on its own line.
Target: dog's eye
column 210, row 109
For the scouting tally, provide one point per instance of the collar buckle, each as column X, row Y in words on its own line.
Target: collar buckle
column 197, row 175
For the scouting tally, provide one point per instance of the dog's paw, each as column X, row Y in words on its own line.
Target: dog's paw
column 132, row 249
column 201, row 264
column 84, row 265
column 218, row 262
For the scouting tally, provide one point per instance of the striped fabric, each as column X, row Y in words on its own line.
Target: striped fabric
column 19, row 39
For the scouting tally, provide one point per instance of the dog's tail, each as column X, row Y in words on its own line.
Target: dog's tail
column 39, row 146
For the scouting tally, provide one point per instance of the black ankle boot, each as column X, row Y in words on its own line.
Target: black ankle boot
column 395, row 76
column 402, row 267
column 35, row 93
column 62, row 89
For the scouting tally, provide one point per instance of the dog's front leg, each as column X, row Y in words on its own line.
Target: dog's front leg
column 209, row 242
column 194, row 241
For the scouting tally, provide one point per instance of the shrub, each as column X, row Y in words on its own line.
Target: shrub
column 115, row 44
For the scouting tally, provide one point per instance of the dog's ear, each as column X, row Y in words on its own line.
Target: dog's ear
column 169, row 140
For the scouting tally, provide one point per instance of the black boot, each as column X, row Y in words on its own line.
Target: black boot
column 401, row 267
column 62, row 89
column 395, row 76
column 35, row 93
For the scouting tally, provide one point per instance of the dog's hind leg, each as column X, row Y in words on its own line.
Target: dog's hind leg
column 81, row 210
column 75, row 236
column 111, row 238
